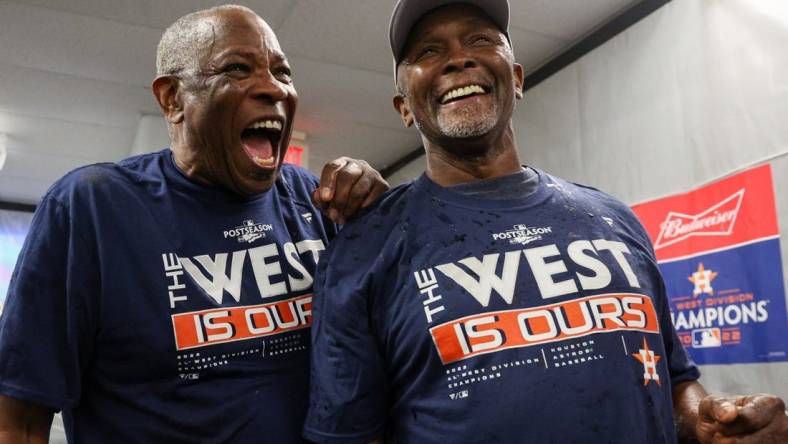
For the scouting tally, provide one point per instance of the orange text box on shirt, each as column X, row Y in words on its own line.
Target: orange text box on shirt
column 494, row 331
column 229, row 324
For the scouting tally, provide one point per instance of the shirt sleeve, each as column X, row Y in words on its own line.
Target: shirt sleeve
column 47, row 325
column 301, row 183
column 348, row 384
column 680, row 365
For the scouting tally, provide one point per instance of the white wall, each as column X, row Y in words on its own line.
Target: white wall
column 409, row 172
column 151, row 135
column 695, row 91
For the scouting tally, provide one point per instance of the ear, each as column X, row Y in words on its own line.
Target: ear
column 166, row 91
column 402, row 107
column 519, row 79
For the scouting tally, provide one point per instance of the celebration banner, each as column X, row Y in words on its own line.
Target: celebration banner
column 718, row 248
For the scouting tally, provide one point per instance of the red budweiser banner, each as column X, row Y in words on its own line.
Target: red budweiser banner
column 718, row 248
column 726, row 213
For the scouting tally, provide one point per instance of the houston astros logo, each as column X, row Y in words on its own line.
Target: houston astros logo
column 702, row 280
column 649, row 360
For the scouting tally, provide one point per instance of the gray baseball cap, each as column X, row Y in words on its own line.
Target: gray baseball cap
column 408, row 12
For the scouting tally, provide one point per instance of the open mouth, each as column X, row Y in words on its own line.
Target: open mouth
column 260, row 141
column 462, row 93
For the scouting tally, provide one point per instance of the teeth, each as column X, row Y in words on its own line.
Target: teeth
column 462, row 92
column 264, row 162
column 266, row 124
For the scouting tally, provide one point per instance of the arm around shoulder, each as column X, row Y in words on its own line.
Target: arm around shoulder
column 24, row 422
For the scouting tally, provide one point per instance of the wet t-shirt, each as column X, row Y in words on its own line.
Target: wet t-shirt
column 150, row 308
column 444, row 317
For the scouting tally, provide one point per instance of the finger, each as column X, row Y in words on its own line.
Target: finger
column 345, row 178
column 328, row 178
column 358, row 193
column 725, row 410
column 775, row 432
column 319, row 204
column 706, row 427
column 706, row 409
column 755, row 412
column 380, row 186
column 720, row 439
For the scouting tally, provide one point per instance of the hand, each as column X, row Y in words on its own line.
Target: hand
column 346, row 186
column 24, row 422
column 742, row 419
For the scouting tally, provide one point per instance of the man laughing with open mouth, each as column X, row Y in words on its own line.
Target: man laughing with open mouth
column 231, row 112
column 167, row 298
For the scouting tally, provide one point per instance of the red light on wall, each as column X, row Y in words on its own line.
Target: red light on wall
column 294, row 155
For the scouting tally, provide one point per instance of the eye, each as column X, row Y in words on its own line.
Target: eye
column 481, row 40
column 236, row 68
column 426, row 52
column 283, row 73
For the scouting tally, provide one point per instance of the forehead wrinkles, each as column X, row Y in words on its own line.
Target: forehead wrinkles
column 244, row 37
column 442, row 32
column 432, row 29
column 433, row 25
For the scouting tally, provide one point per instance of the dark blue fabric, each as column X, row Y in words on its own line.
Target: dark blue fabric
column 384, row 287
column 511, row 186
column 88, row 325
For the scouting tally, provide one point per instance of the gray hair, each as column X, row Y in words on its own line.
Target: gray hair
column 180, row 45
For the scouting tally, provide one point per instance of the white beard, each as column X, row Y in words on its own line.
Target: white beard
column 468, row 121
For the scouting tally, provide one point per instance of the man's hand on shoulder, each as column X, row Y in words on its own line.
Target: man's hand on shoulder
column 742, row 419
column 346, row 186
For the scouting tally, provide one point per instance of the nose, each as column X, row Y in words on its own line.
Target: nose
column 268, row 88
column 458, row 59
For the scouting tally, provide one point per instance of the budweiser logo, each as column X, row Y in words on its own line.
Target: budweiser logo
column 718, row 220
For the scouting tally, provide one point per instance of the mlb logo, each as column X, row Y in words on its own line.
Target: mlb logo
column 706, row 337
column 521, row 227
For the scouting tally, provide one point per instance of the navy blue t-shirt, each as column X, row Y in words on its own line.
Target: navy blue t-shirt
column 150, row 308
column 442, row 317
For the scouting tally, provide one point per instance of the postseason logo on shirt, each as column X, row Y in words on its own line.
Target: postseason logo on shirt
column 522, row 234
column 249, row 231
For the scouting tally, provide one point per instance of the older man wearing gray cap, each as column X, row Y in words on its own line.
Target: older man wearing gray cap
column 491, row 302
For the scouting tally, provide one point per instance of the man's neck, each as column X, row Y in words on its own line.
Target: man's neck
column 186, row 161
column 448, row 167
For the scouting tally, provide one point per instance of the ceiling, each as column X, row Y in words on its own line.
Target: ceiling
column 75, row 75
